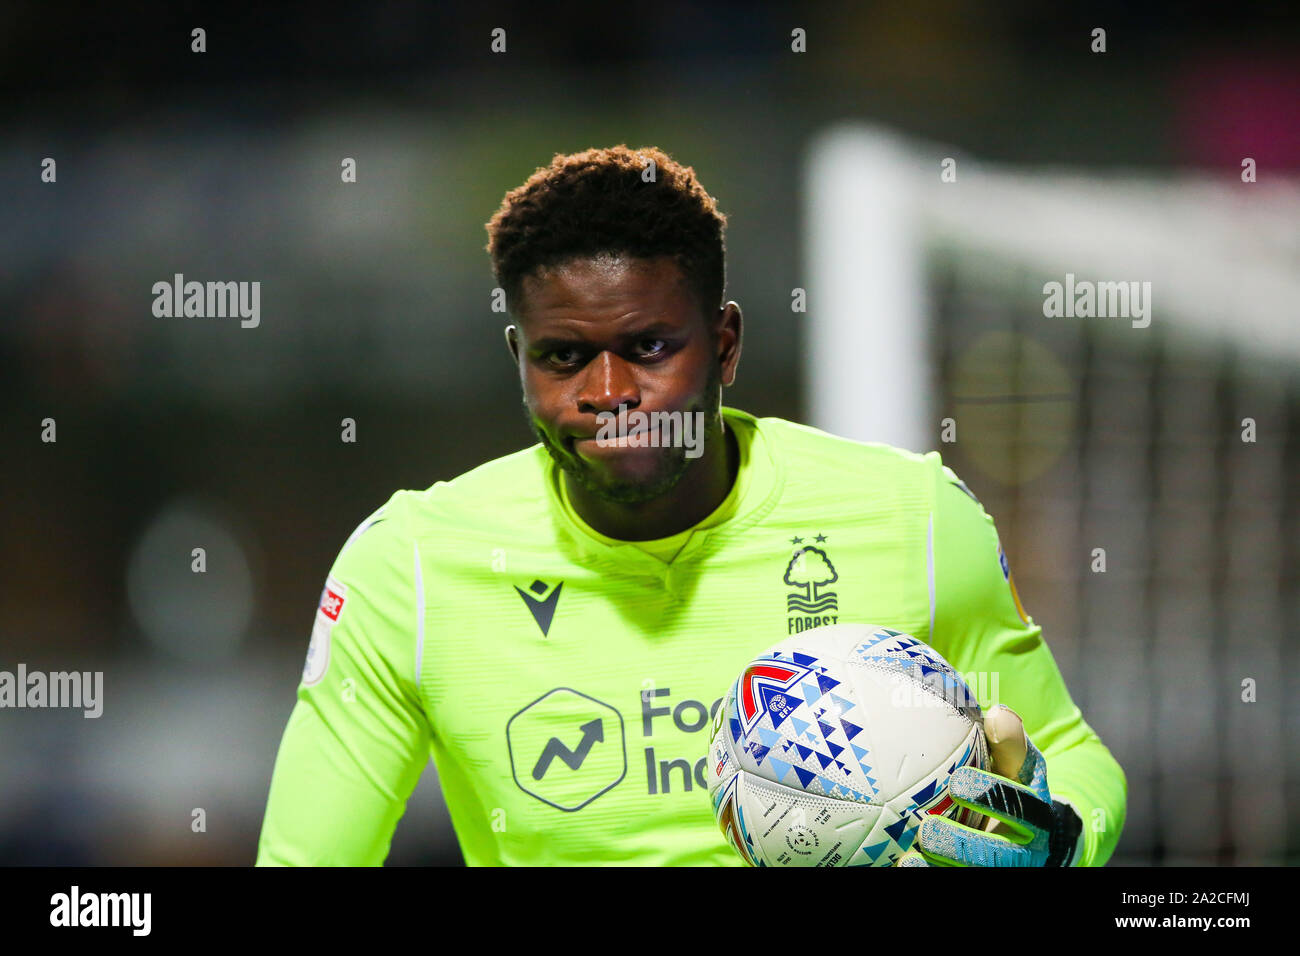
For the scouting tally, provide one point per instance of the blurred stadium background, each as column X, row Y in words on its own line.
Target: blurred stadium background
column 1075, row 433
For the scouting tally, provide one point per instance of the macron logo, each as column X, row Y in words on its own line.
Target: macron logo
column 543, row 611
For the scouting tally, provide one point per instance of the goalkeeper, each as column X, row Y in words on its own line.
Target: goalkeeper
column 556, row 628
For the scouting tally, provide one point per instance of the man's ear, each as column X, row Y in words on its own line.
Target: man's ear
column 730, row 323
column 512, row 342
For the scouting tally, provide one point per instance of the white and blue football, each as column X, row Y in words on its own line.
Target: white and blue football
column 830, row 749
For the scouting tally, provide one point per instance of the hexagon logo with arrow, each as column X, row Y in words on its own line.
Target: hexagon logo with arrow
column 567, row 748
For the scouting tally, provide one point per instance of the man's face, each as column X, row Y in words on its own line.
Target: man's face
column 598, row 333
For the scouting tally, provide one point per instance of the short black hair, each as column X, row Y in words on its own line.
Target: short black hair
column 599, row 201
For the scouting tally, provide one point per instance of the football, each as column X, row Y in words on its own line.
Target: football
column 830, row 749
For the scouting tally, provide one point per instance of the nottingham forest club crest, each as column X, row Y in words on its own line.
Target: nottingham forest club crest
column 811, row 573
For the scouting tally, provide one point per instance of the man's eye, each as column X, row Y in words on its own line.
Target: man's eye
column 562, row 356
column 654, row 346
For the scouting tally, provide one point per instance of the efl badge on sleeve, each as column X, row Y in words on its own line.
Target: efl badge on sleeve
column 332, row 600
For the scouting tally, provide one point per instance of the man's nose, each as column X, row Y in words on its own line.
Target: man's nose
column 609, row 383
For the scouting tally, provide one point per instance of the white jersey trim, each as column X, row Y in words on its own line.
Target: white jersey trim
column 363, row 528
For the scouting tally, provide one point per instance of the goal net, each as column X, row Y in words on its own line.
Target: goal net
column 1110, row 360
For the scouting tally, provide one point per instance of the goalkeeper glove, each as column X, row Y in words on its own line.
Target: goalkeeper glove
column 1025, row 826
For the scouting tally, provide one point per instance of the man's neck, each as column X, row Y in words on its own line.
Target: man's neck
column 701, row 490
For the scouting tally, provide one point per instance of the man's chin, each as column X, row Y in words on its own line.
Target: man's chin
column 624, row 491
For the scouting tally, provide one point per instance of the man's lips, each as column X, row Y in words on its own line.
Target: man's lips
column 608, row 434
column 631, row 433
column 635, row 439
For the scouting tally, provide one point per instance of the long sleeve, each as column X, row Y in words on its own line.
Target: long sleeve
column 981, row 628
column 357, row 739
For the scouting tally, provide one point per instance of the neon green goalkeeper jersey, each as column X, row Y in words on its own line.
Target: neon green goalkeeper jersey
column 563, row 682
